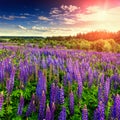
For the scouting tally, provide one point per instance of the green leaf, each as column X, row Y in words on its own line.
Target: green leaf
column 2, row 112
column 9, row 109
column 17, row 118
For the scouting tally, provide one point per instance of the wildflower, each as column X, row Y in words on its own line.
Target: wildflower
column 71, row 103
column 62, row 115
column 42, row 106
column 85, row 113
column 48, row 113
column 21, row 105
column 31, row 107
column 61, row 95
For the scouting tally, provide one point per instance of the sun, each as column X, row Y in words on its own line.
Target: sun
column 102, row 15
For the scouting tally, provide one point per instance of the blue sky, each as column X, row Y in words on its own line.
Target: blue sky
column 57, row 17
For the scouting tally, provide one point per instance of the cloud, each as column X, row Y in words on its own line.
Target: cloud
column 92, row 9
column 45, row 29
column 22, row 17
column 22, row 27
column 43, row 18
column 55, row 11
column 70, row 8
column 8, row 17
column 65, row 14
column 42, row 29
column 11, row 17
column 69, row 21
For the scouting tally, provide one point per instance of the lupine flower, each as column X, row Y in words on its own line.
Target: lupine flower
column 57, row 95
column 1, row 100
column 31, row 107
column 71, row 103
column 8, row 65
column 52, row 94
column 62, row 115
column 85, row 113
column 106, row 90
column 48, row 113
column 41, row 85
column 10, row 82
column 70, row 65
column 90, row 77
column 21, row 105
column 100, row 93
column 79, row 89
column 23, row 76
column 52, row 111
column 115, row 109
column 115, row 78
column 42, row 106
column 61, row 96
column 44, row 66
column 69, row 78
column 31, row 69
column 102, row 79
column 99, row 113
column 1, row 72
column 95, row 74
column 101, row 109
column 96, row 114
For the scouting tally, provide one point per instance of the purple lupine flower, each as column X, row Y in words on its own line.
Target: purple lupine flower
column 70, row 65
column 71, row 103
column 44, row 65
column 24, row 71
column 31, row 107
column 10, row 82
column 102, row 79
column 115, row 109
column 23, row 74
column 69, row 78
column 106, row 90
column 57, row 95
column 1, row 72
column 95, row 74
column 115, row 79
column 52, row 94
column 1, row 100
column 42, row 106
column 61, row 95
column 79, row 89
column 85, row 113
column 21, row 105
column 101, row 109
column 99, row 113
column 52, row 111
column 96, row 115
column 41, row 85
column 8, row 65
column 90, row 77
column 62, row 115
column 100, row 93
column 31, row 69
column 48, row 113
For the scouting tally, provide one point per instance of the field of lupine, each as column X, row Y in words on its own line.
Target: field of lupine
column 56, row 84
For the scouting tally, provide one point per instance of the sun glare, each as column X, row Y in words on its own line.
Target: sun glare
column 102, row 15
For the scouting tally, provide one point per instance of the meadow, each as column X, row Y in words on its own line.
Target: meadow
column 53, row 83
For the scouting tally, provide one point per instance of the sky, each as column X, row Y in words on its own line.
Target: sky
column 57, row 17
